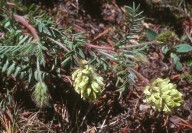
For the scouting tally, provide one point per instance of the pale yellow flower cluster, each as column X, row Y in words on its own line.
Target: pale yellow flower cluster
column 87, row 83
column 163, row 96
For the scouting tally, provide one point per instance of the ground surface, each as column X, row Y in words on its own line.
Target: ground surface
column 112, row 113
column 128, row 114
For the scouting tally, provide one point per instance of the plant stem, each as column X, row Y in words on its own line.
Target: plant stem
column 110, row 56
column 24, row 22
column 39, row 71
column 99, row 47
column 139, row 75
column 65, row 48
column 137, row 45
column 59, row 43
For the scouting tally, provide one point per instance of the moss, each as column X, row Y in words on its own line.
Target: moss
column 167, row 38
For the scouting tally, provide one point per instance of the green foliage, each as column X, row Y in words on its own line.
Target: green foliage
column 163, row 96
column 126, row 56
column 183, row 48
column 133, row 26
column 35, row 51
column 151, row 34
column 187, row 75
column 24, row 53
column 6, row 100
column 189, row 63
column 44, row 49
column 176, row 62
column 134, row 17
column 169, row 41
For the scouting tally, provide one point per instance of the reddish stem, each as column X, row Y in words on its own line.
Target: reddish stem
column 189, row 126
column 99, row 47
column 24, row 22
column 11, row 4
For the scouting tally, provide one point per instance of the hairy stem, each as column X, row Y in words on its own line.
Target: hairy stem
column 137, row 45
column 98, row 47
column 24, row 22
column 139, row 75
column 106, row 54
column 59, row 43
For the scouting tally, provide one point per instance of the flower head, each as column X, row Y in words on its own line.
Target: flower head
column 163, row 96
column 86, row 82
column 40, row 95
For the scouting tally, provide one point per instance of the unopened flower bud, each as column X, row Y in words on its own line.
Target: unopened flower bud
column 40, row 95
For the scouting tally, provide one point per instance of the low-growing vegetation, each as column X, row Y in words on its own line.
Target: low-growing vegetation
column 95, row 66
